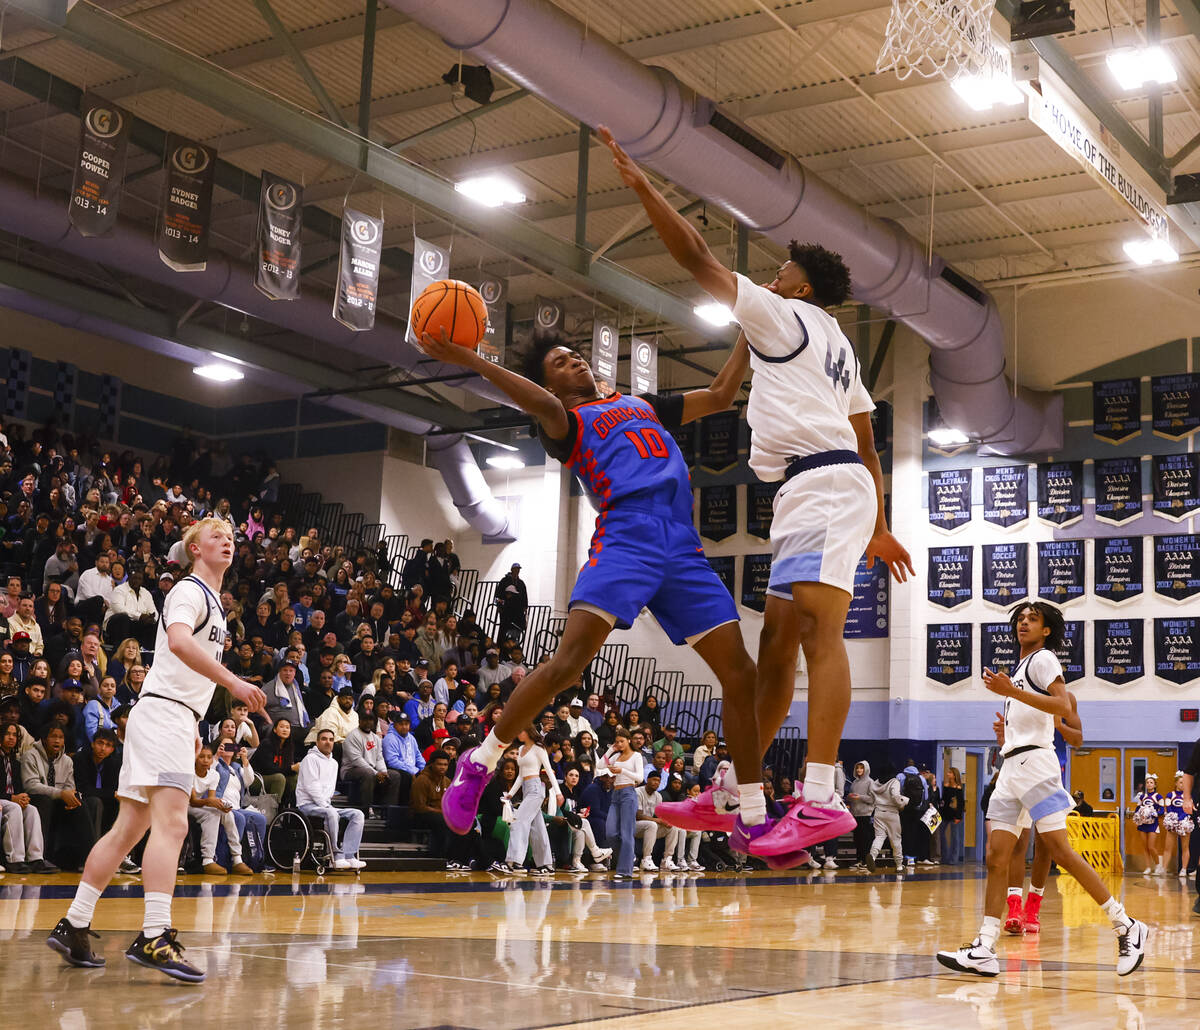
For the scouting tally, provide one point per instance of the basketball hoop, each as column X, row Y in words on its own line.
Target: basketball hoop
column 937, row 37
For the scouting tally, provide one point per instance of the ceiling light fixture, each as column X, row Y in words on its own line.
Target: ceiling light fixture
column 490, row 191
column 1134, row 67
column 1146, row 251
column 714, row 314
column 983, row 92
column 947, row 437
column 507, row 462
column 218, row 373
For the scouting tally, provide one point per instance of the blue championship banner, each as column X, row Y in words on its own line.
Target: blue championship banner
column 1005, row 573
column 1177, row 566
column 1177, row 649
column 1120, row 650
column 950, row 576
column 1175, row 480
column 760, row 508
column 1175, row 405
column 719, row 441
column 869, row 606
column 1117, row 409
column 1117, row 566
column 950, row 499
column 723, row 566
column 998, row 649
column 1060, row 570
column 1006, row 495
column 718, row 511
column 1118, row 489
column 756, row 576
column 1060, row 492
column 1071, row 652
column 948, row 652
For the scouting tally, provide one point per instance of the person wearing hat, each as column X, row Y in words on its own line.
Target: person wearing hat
column 491, row 671
column 709, row 769
column 421, row 707
column 22, row 656
column 285, row 698
column 670, row 732
column 401, row 752
column 512, row 598
column 576, row 723
column 339, row 717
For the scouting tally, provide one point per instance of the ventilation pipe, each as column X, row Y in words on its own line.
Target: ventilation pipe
column 689, row 140
column 452, row 457
column 42, row 217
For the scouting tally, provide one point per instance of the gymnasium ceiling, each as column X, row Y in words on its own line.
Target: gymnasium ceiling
column 1007, row 204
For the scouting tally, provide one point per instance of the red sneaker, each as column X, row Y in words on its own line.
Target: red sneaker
column 1033, row 906
column 1015, row 921
column 804, row 825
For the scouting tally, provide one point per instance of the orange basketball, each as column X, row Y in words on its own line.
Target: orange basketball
column 452, row 305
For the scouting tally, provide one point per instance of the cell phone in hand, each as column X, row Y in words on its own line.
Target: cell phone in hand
column 352, row 668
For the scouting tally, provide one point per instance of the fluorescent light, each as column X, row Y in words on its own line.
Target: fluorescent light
column 983, row 92
column 219, row 373
column 505, row 461
column 1146, row 251
column 490, row 191
column 947, row 437
column 1133, row 67
column 713, row 314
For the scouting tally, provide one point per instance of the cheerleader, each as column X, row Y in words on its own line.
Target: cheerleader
column 1178, row 822
column 531, row 761
column 1147, row 810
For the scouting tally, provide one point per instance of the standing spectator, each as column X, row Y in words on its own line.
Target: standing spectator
column 916, row 837
column 315, row 784
column 363, row 764
column 953, row 810
column 19, row 818
column 651, row 829
column 889, row 803
column 933, row 799
column 862, row 804
column 416, row 567
column 512, row 600
column 532, row 760
column 624, row 765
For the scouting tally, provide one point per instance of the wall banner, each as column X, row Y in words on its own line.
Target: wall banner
column 1118, row 489
column 1175, row 405
column 1117, row 409
column 950, row 499
column 998, row 648
column 1117, row 564
column 1177, row 649
column 760, row 508
column 1071, row 652
column 1120, row 648
column 756, row 575
column 948, row 652
column 1006, row 495
column 950, row 576
column 1005, row 573
column 718, row 511
column 869, row 605
column 1175, row 480
column 1060, row 571
column 1177, row 566
column 1060, row 492
column 100, row 166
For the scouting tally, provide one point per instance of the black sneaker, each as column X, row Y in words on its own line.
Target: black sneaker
column 1196, row 907
column 42, row 865
column 129, row 866
column 72, row 943
column 165, row 954
column 870, row 862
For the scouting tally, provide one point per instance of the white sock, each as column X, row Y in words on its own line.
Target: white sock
column 79, row 914
column 1117, row 915
column 1037, row 891
column 818, row 784
column 488, row 753
column 1017, row 891
column 158, row 914
column 989, row 932
column 753, row 804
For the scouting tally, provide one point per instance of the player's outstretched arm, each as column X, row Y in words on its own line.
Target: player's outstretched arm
column 685, row 244
column 524, row 393
column 187, row 649
column 882, row 545
column 724, row 388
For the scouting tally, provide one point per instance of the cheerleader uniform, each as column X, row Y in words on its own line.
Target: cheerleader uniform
column 1156, row 800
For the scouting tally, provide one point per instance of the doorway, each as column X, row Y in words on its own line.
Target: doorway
column 970, row 761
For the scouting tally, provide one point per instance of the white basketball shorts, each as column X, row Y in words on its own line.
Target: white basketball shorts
column 160, row 749
column 1030, row 783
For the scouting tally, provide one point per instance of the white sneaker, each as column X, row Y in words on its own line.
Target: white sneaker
column 342, row 864
column 696, row 867
column 357, row 863
column 578, row 867
column 597, row 867
column 648, row 866
column 603, row 855
column 669, row 866
column 812, row 863
column 831, row 863
column 974, row 958
column 1131, row 947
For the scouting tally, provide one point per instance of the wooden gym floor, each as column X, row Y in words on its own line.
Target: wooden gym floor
column 425, row 950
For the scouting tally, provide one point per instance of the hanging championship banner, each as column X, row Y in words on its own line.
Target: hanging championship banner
column 280, row 218
column 1117, row 563
column 868, row 615
column 723, row 566
column 186, row 204
column 1118, row 489
column 643, row 366
column 760, row 508
column 948, row 652
column 1175, row 405
column 1071, row 652
column 998, row 649
column 547, row 316
column 756, row 576
column 1177, row 566
column 1177, row 649
column 950, row 576
column 718, row 511
column 363, row 235
column 1005, row 573
column 1175, row 480
column 100, row 167
column 495, row 295
column 1060, row 571
column 1117, row 409
column 1006, row 495
column 1120, row 650
column 1060, row 492
column 606, row 349
column 685, row 439
column 719, row 441
column 950, row 499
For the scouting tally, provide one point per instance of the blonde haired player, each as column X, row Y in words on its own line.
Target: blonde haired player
column 161, row 742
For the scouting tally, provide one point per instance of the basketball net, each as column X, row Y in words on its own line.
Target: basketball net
column 937, row 37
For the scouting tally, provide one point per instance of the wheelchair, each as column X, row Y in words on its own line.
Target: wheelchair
column 292, row 834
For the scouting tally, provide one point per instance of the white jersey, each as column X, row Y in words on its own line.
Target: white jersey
column 193, row 603
column 1025, row 726
column 806, row 381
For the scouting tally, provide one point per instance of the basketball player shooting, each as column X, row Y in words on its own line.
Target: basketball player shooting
column 161, row 743
column 810, row 426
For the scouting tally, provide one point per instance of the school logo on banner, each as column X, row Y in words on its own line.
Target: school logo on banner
column 1060, row 571
column 756, row 577
column 869, row 605
column 950, row 499
column 605, row 353
column 643, row 366
column 1177, row 649
column 723, row 566
column 760, row 508
column 1119, row 650
column 719, row 441
column 1060, row 492
column 1118, row 489
column 495, row 295
column 280, row 223
column 718, row 511
column 948, row 652
column 1071, row 652
column 1005, row 573
column 1175, row 479
column 358, row 271
column 186, row 204
column 998, row 648
column 99, row 167
column 1175, row 405
column 950, row 576
column 1177, row 566
column 547, row 316
column 1006, row 495
column 1117, row 409
column 1118, row 568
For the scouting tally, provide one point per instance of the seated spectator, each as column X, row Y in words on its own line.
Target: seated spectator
column 607, row 730
column 97, row 713
column 275, row 759
column 20, row 820
column 131, row 688
column 670, row 732
column 708, row 745
column 468, row 693
column 51, row 610
column 97, row 769
column 575, row 721
column 33, row 701
column 211, row 813
column 316, row 780
column 285, row 699
column 131, row 612
column 94, row 592
column 581, row 832
column 709, row 770
column 592, row 711
column 426, row 805
column 127, row 654
column 421, row 707
column 234, row 777
column 651, row 829
column 48, row 776
column 432, row 731
column 10, row 711
column 61, row 644
column 338, row 717
column 320, row 694
column 9, row 684
column 363, row 764
column 24, row 621
column 447, row 684
column 401, row 752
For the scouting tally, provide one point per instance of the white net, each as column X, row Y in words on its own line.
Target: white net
column 937, row 37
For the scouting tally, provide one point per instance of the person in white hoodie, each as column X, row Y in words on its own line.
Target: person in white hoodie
column 861, row 799
column 888, row 802
column 314, row 796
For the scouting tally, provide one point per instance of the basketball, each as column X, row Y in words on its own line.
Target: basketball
column 452, row 305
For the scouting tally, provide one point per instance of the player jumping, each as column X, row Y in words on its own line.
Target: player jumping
column 161, row 743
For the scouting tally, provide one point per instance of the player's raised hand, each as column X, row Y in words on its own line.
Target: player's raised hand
column 889, row 550
column 626, row 166
column 998, row 729
column 441, row 349
column 255, row 699
column 998, row 683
